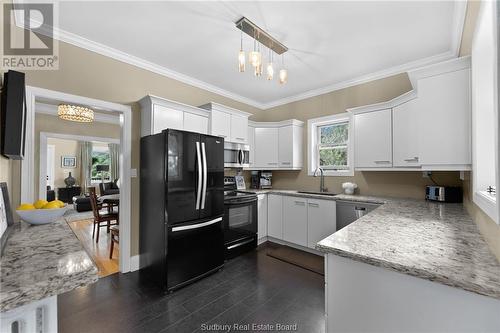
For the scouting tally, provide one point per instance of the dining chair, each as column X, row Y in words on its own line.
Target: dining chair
column 115, row 238
column 100, row 218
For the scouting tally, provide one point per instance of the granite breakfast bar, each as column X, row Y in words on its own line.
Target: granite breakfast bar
column 425, row 262
column 39, row 263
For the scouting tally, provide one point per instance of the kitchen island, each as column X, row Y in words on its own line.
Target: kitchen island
column 411, row 265
column 39, row 263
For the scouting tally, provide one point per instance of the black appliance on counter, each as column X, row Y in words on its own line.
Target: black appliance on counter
column 444, row 193
column 182, row 206
column 240, row 219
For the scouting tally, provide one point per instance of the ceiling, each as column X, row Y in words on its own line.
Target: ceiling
column 332, row 45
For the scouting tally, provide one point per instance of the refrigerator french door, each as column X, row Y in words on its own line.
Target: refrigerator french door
column 182, row 205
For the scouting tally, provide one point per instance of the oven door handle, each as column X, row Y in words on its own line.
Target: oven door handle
column 240, row 202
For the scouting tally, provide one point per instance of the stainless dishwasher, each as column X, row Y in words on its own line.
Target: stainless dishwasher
column 350, row 211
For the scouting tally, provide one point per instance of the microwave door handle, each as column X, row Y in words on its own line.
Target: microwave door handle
column 240, row 157
column 198, row 191
column 204, row 190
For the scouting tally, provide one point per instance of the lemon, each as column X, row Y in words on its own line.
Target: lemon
column 40, row 203
column 51, row 205
column 26, row 206
column 59, row 202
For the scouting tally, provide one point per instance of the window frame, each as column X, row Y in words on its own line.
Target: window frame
column 313, row 126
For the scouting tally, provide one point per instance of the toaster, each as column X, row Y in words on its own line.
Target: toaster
column 443, row 193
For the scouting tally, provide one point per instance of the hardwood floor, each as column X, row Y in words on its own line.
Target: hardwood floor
column 98, row 251
column 251, row 289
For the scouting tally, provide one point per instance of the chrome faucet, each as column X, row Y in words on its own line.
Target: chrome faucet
column 322, row 180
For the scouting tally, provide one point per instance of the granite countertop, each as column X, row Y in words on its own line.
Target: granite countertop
column 42, row 261
column 433, row 241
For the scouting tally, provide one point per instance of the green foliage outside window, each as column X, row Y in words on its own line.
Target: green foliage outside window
column 100, row 158
column 332, row 146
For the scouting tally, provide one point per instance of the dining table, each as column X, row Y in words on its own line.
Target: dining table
column 112, row 199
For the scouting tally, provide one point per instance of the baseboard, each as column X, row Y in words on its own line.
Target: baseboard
column 135, row 263
column 262, row 240
column 295, row 246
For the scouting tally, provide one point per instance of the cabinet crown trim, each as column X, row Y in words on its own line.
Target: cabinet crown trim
column 414, row 76
column 148, row 100
column 272, row 124
column 223, row 108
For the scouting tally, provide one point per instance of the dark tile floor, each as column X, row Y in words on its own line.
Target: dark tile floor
column 251, row 289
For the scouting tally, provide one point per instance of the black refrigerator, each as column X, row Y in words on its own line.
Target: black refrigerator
column 181, row 207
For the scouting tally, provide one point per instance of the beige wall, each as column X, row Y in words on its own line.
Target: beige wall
column 88, row 74
column 403, row 184
column 65, row 148
column 52, row 124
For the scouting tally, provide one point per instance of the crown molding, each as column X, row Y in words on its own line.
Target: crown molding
column 51, row 110
column 458, row 21
column 273, row 124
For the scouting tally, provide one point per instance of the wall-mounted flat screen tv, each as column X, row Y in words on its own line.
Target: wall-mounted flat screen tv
column 13, row 115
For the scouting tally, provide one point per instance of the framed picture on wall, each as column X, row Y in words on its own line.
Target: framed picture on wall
column 68, row 161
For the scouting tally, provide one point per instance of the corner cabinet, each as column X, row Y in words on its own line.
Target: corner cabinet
column 229, row 123
column 276, row 145
column 428, row 128
column 158, row 114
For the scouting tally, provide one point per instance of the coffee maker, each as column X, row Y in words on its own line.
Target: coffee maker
column 255, row 179
column 265, row 179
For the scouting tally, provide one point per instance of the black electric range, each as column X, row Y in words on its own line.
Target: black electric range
column 240, row 219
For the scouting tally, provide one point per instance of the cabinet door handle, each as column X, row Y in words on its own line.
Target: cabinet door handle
column 269, row 163
column 242, row 139
column 382, row 162
column 286, row 163
column 300, row 203
column 415, row 159
column 313, row 205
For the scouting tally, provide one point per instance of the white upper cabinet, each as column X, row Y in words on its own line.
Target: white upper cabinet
column 251, row 143
column 220, row 124
column 239, row 128
column 373, row 139
column 195, row 123
column 445, row 119
column 406, row 134
column 276, row 145
column 266, row 147
column 158, row 114
column 229, row 123
column 430, row 127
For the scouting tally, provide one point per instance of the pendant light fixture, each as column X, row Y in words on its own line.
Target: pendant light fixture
column 241, row 55
column 283, row 77
column 270, row 68
column 255, row 58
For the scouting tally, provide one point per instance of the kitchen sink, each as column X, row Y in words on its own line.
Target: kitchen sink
column 318, row 193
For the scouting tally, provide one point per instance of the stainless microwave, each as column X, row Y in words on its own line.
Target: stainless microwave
column 236, row 155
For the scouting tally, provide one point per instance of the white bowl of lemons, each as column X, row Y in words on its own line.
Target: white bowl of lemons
column 42, row 211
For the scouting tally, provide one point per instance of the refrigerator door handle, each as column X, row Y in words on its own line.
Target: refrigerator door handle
column 198, row 191
column 204, row 190
column 196, row 226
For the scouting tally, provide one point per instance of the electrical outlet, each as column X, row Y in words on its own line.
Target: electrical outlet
column 426, row 174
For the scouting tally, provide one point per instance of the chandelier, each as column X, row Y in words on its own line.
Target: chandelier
column 255, row 57
column 76, row 113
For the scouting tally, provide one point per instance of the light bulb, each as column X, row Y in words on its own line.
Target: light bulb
column 241, row 61
column 258, row 70
column 283, row 76
column 270, row 71
column 255, row 58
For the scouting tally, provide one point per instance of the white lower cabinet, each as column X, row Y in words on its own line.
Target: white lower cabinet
column 275, row 216
column 321, row 220
column 261, row 216
column 295, row 220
